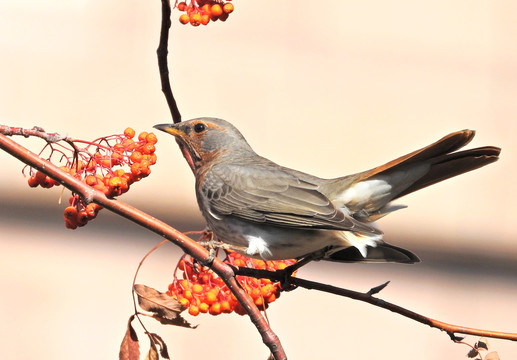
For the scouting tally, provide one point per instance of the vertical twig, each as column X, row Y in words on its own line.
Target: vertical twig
column 162, row 61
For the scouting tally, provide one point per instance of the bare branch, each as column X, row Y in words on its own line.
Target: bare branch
column 450, row 329
column 162, row 61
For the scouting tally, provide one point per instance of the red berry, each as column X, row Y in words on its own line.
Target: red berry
column 216, row 10
column 184, row 19
column 228, row 8
column 182, row 6
column 129, row 133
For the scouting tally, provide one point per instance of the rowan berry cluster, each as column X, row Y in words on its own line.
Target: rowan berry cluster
column 202, row 291
column 109, row 164
column 201, row 12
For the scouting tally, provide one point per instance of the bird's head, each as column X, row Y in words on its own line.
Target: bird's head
column 204, row 140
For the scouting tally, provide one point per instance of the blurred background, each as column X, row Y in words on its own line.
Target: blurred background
column 329, row 88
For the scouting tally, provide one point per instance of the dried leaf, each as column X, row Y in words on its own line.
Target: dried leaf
column 492, row 356
column 129, row 349
column 165, row 308
column 482, row 344
column 472, row 353
column 153, row 353
column 164, row 353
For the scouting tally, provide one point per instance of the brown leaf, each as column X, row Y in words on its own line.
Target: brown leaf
column 482, row 344
column 492, row 356
column 129, row 349
column 153, row 353
column 472, row 353
column 164, row 353
column 165, row 308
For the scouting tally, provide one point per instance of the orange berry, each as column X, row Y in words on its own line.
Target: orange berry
column 239, row 263
column 71, row 224
column 216, row 10
column 225, row 307
column 184, row 19
column 119, row 172
column 271, row 298
column 148, row 149
column 184, row 302
column 281, row 266
column 91, row 180
column 193, row 310
column 117, row 158
column 142, row 136
column 197, row 289
column 182, row 6
column 210, row 297
column 266, row 290
column 259, row 301
column 188, row 295
column 136, row 169
column 92, row 210
column 215, row 309
column 82, row 218
column 152, row 159
column 205, row 19
column 195, row 19
column 184, row 284
column 203, row 307
column 205, row 9
column 228, row 7
column 151, row 138
column 70, row 212
column 129, row 133
column 33, row 182
column 255, row 293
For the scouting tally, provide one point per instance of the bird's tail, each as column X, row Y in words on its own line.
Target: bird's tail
column 366, row 195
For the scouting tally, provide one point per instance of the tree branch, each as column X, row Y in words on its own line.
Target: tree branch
column 368, row 297
column 188, row 245
column 162, row 61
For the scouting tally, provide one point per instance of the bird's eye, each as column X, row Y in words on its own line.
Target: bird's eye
column 199, row 127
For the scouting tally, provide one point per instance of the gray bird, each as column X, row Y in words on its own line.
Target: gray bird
column 264, row 210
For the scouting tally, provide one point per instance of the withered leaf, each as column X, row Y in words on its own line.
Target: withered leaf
column 482, row 344
column 472, row 353
column 153, row 353
column 165, row 308
column 164, row 353
column 129, row 349
column 492, row 356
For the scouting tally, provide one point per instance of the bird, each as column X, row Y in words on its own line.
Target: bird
column 267, row 211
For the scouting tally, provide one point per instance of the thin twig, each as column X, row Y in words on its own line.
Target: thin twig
column 368, row 297
column 162, row 61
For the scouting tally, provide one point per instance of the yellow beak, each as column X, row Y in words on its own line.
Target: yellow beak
column 169, row 128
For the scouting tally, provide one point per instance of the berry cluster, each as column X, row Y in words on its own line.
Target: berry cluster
column 201, row 12
column 201, row 290
column 98, row 168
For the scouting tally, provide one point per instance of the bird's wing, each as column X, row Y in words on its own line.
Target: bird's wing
column 273, row 196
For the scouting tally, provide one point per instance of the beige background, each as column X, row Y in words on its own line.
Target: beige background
column 330, row 88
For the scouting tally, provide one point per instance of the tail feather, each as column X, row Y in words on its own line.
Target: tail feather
column 450, row 165
column 366, row 195
column 382, row 252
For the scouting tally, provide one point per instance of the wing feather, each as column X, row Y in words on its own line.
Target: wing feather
column 274, row 196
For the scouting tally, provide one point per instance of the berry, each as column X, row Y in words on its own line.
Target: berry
column 129, row 133
column 184, row 19
column 228, row 8
column 216, row 10
column 182, row 6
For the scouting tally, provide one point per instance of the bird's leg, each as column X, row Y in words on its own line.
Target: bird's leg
column 288, row 272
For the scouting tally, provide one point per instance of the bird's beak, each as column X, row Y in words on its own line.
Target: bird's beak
column 170, row 129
